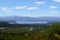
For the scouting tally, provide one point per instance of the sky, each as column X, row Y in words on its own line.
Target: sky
column 30, row 8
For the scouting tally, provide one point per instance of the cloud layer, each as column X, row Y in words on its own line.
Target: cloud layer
column 56, row 0
column 6, row 9
column 55, row 12
column 20, row 7
column 53, row 7
column 40, row 2
column 32, row 8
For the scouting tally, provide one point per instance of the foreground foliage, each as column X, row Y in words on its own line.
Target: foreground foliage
column 52, row 33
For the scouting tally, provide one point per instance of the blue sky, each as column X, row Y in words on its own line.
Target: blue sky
column 31, row 8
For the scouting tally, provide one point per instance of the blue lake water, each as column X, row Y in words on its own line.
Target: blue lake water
column 30, row 22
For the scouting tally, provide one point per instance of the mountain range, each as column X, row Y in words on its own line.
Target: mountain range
column 29, row 20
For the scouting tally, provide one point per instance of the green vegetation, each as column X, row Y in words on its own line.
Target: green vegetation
column 31, row 32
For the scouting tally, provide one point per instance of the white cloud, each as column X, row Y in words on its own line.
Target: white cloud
column 5, row 9
column 20, row 7
column 32, row 8
column 56, row 0
column 53, row 7
column 55, row 12
column 39, row 3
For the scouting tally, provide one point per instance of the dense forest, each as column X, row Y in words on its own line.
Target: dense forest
column 29, row 31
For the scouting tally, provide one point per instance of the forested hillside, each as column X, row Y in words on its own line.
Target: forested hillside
column 29, row 31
